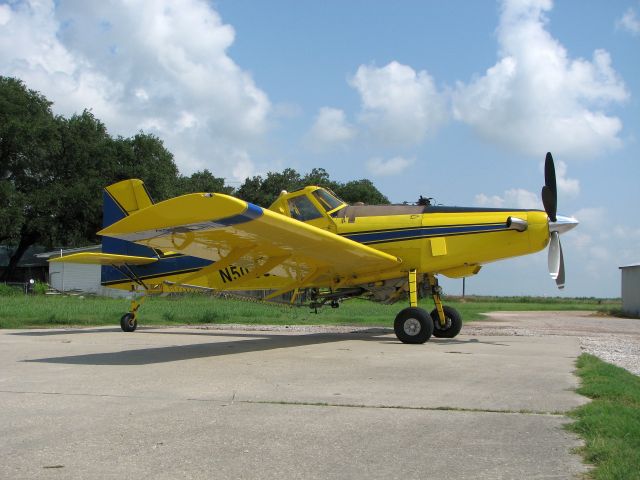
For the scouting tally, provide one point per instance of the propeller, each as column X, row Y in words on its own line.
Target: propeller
column 550, row 190
column 557, row 223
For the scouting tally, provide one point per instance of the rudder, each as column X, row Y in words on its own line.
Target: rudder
column 120, row 200
column 124, row 198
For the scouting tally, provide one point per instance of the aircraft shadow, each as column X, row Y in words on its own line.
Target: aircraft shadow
column 66, row 331
column 459, row 341
column 157, row 331
column 256, row 342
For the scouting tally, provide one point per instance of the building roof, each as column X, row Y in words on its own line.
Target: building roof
column 29, row 259
column 66, row 251
column 631, row 265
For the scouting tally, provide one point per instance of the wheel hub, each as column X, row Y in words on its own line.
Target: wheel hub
column 412, row 326
column 446, row 326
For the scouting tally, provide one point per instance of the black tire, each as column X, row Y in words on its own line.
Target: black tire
column 452, row 326
column 413, row 325
column 128, row 322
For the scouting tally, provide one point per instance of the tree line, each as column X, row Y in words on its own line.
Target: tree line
column 53, row 169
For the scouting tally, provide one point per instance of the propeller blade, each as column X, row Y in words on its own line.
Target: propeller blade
column 549, row 200
column 550, row 189
column 560, row 279
column 555, row 254
column 549, row 171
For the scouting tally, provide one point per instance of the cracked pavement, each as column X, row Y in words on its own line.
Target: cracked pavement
column 190, row 403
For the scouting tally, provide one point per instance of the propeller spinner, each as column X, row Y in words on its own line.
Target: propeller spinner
column 557, row 224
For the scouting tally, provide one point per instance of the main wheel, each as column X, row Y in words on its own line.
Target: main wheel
column 413, row 325
column 452, row 325
column 128, row 322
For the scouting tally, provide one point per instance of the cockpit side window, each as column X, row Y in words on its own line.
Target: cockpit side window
column 301, row 208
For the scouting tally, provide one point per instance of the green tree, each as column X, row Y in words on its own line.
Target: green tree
column 28, row 139
column 144, row 156
column 11, row 211
column 360, row 191
column 203, row 181
column 263, row 191
column 53, row 170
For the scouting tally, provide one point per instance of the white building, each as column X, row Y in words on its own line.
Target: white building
column 631, row 289
column 77, row 277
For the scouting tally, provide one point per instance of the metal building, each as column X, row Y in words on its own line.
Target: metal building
column 75, row 277
column 631, row 289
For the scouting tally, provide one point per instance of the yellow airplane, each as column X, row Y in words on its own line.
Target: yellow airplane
column 309, row 241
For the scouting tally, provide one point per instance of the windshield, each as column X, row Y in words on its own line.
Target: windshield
column 328, row 201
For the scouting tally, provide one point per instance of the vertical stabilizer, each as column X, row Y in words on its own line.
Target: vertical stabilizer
column 124, row 198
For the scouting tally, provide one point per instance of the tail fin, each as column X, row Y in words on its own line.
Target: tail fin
column 124, row 198
column 120, row 200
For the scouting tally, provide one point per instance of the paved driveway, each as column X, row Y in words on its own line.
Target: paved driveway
column 190, row 403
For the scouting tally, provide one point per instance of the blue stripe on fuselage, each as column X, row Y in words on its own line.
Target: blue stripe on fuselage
column 163, row 267
column 382, row 236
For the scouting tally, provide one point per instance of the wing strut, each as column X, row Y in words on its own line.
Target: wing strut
column 127, row 272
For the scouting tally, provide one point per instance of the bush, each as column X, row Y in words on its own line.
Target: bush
column 40, row 288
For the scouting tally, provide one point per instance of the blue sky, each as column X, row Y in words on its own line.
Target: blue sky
column 454, row 100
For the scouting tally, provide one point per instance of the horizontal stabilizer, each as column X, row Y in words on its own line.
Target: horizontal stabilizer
column 104, row 259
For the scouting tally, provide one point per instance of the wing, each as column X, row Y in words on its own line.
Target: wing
column 232, row 232
column 103, row 259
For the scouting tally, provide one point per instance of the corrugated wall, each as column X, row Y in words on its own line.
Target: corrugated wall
column 631, row 290
column 66, row 277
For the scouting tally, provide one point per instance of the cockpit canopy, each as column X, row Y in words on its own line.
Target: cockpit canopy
column 308, row 203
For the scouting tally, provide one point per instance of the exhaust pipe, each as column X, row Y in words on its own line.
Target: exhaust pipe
column 517, row 224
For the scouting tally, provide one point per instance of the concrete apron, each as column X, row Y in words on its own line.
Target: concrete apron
column 178, row 402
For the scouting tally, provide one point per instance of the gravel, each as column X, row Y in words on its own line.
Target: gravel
column 614, row 340
column 623, row 351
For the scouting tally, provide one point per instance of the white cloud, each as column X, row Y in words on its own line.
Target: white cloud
column 512, row 198
column 330, row 128
column 627, row 233
column 591, row 218
column 393, row 166
column 566, row 186
column 399, row 106
column 536, row 98
column 158, row 65
column 580, row 241
column 5, row 14
column 629, row 22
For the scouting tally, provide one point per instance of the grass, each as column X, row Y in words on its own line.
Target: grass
column 30, row 311
column 610, row 424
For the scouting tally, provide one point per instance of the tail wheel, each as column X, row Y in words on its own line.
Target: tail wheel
column 128, row 322
column 413, row 325
column 452, row 325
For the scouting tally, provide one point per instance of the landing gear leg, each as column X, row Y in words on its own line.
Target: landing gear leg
column 447, row 321
column 129, row 321
column 413, row 324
